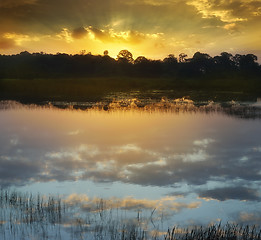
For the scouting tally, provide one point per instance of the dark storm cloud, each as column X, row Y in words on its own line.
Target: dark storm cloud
column 99, row 34
column 17, row 171
column 43, row 17
column 79, row 33
column 236, row 193
column 47, row 16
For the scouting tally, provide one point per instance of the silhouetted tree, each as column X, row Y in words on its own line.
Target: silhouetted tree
column 201, row 64
column 170, row 65
column 144, row 67
column 125, row 55
column 224, row 65
column 246, row 63
column 225, row 60
column 182, row 57
column 140, row 60
column 171, row 59
column 82, row 52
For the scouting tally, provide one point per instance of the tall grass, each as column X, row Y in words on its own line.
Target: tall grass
column 215, row 232
column 26, row 216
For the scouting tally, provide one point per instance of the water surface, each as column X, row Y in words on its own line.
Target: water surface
column 189, row 163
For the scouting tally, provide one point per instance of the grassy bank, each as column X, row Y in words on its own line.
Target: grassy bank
column 86, row 89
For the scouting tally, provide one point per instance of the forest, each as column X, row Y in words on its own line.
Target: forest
column 40, row 65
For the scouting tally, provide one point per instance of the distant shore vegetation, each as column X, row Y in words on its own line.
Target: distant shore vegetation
column 41, row 65
column 41, row 76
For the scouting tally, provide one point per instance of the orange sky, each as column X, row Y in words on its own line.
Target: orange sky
column 152, row 28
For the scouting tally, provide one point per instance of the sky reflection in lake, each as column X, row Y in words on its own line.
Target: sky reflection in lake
column 184, row 163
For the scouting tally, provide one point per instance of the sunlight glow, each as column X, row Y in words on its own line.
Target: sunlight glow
column 149, row 28
column 20, row 39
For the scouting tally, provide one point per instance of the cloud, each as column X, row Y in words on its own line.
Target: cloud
column 203, row 142
column 231, row 27
column 240, row 9
column 16, row 3
column 79, row 33
column 249, row 218
column 228, row 11
column 100, row 34
column 17, row 171
column 19, row 39
column 162, row 157
column 6, row 43
column 133, row 164
column 129, row 37
column 227, row 193
column 133, row 24
column 66, row 35
column 46, row 16
column 74, row 133
column 169, row 205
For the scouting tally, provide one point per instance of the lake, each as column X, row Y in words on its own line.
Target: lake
column 176, row 161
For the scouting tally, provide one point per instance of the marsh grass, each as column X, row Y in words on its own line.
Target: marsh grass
column 215, row 232
column 95, row 88
column 26, row 216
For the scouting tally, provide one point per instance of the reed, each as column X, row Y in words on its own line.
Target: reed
column 27, row 216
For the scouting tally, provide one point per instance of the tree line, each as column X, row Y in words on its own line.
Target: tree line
column 41, row 65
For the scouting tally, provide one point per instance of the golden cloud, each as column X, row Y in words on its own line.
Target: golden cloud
column 228, row 11
column 166, row 204
column 230, row 26
column 19, row 39
column 108, row 35
column 66, row 35
column 6, row 43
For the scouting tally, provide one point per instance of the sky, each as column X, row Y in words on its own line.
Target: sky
column 151, row 28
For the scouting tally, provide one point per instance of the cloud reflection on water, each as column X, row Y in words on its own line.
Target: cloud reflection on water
column 136, row 147
column 163, row 205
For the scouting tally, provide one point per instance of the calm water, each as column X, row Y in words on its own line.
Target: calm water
column 188, row 163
